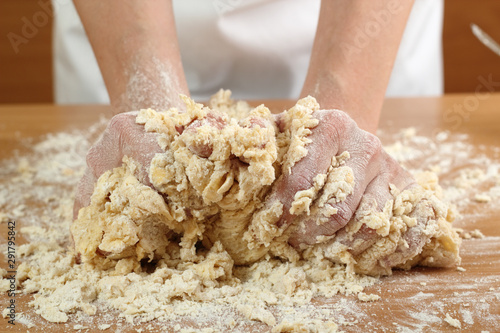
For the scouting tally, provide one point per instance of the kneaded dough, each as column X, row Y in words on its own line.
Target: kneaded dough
column 210, row 189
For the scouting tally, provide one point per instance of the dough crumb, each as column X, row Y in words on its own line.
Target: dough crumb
column 204, row 236
column 482, row 198
column 452, row 321
column 476, row 233
column 306, row 325
column 78, row 327
column 469, row 177
column 368, row 297
column 103, row 327
column 3, row 217
column 212, row 186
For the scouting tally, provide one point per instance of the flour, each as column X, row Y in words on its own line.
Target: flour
column 464, row 171
column 283, row 289
column 212, row 182
column 152, row 85
column 482, row 198
column 210, row 215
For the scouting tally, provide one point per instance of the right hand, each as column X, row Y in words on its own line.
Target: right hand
column 373, row 169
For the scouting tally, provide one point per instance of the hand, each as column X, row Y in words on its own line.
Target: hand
column 122, row 137
column 373, row 169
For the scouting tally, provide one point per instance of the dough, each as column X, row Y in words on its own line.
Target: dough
column 208, row 206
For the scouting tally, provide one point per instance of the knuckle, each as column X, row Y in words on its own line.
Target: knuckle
column 253, row 122
column 119, row 131
column 370, row 149
column 372, row 143
column 120, row 121
column 342, row 117
column 192, row 127
column 334, row 114
column 341, row 120
column 217, row 120
column 332, row 123
column 343, row 216
column 202, row 150
column 92, row 155
column 303, row 180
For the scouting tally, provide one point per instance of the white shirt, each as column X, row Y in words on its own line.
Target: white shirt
column 256, row 48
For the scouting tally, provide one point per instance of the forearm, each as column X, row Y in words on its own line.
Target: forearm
column 135, row 43
column 353, row 54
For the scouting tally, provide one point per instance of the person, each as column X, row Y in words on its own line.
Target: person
column 354, row 49
column 258, row 62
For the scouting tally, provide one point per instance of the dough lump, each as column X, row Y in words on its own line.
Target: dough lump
column 209, row 206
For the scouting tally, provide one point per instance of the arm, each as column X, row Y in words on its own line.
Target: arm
column 135, row 44
column 354, row 50
column 350, row 74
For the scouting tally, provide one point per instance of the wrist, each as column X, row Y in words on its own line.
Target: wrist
column 149, row 82
column 332, row 92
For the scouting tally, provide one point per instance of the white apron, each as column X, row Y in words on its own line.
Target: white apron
column 256, row 48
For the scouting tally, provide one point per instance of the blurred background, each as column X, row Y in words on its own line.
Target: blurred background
column 26, row 71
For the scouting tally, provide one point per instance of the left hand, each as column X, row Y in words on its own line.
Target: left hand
column 122, row 137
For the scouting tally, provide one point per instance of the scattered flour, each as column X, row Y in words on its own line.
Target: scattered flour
column 452, row 321
column 45, row 180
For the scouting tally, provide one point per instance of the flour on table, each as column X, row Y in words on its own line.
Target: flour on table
column 205, row 235
column 452, row 321
column 482, row 198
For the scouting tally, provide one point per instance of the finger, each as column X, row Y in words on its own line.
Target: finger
column 376, row 196
column 123, row 137
column 365, row 152
column 201, row 143
column 107, row 153
column 323, row 147
column 415, row 236
column 373, row 198
column 278, row 121
column 141, row 146
column 84, row 192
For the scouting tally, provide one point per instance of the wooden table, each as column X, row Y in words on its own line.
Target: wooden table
column 473, row 295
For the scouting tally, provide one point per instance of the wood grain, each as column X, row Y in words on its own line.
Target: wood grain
column 26, row 51
column 465, row 59
column 414, row 301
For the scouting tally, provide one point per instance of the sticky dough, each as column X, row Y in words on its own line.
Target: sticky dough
column 210, row 189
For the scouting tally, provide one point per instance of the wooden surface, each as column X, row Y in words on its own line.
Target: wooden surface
column 465, row 59
column 26, row 51
column 402, row 294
